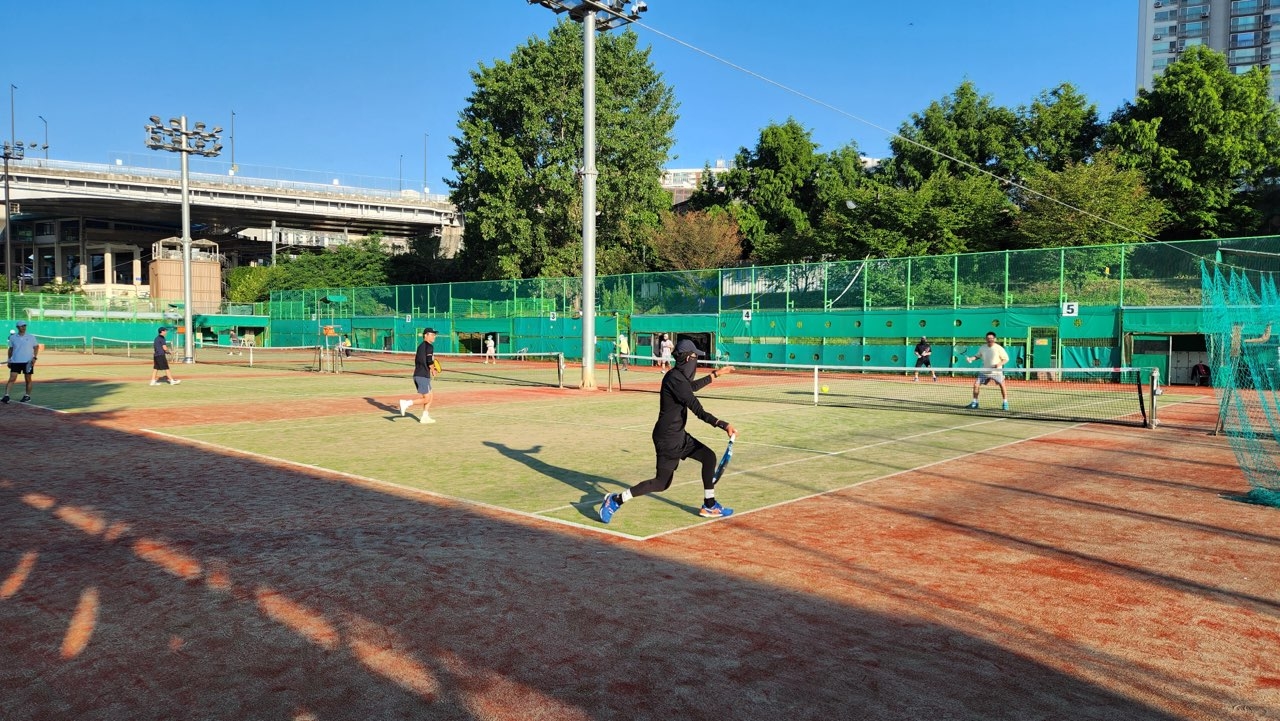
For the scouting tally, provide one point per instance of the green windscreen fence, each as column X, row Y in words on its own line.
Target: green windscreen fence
column 1240, row 306
column 867, row 311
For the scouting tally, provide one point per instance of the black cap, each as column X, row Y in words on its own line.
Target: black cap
column 428, row 330
column 687, row 346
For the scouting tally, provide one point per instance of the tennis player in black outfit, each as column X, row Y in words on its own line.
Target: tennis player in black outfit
column 924, row 358
column 670, row 440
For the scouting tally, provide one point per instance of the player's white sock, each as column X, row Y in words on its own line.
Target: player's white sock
column 625, row 496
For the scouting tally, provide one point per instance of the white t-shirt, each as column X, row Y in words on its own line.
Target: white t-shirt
column 993, row 356
column 22, row 347
column 488, row 345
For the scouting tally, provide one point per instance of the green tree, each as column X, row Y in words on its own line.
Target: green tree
column 1205, row 138
column 355, row 265
column 783, row 192
column 1059, row 128
column 252, row 283
column 945, row 214
column 1072, row 207
column 963, row 126
column 424, row 263
column 520, row 147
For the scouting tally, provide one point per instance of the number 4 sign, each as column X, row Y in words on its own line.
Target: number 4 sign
column 1070, row 310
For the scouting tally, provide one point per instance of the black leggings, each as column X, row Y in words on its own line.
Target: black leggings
column 667, row 464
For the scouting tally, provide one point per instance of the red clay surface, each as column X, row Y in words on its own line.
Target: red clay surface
column 1095, row 573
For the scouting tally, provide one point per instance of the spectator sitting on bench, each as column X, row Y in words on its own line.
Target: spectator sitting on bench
column 1200, row 374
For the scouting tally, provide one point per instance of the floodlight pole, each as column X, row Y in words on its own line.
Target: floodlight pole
column 589, row 174
column 584, row 11
column 176, row 138
column 188, row 346
column 12, row 151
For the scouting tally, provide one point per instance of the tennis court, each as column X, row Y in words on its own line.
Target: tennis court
column 507, row 441
column 263, row 543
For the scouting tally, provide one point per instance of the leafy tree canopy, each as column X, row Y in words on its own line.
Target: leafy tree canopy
column 1205, row 138
column 520, row 147
column 963, row 126
column 1075, row 204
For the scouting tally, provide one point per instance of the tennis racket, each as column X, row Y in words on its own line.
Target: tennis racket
column 961, row 352
column 435, row 365
column 724, row 461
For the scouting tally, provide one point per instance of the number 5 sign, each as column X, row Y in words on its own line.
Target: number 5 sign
column 1070, row 310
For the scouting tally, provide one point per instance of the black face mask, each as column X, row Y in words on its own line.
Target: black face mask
column 688, row 365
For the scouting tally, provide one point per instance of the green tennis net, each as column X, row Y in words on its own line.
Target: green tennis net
column 68, row 343
column 1107, row 395
column 120, row 348
column 1244, row 358
column 521, row 369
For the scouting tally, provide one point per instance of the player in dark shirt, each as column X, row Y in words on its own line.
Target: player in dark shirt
column 425, row 369
column 670, row 440
column 924, row 358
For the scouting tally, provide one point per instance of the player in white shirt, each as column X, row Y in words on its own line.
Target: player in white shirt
column 994, row 357
column 23, row 351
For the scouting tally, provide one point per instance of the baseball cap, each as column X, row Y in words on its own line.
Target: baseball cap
column 428, row 330
column 22, row 324
column 687, row 346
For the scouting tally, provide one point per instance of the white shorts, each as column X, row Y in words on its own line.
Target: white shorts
column 986, row 376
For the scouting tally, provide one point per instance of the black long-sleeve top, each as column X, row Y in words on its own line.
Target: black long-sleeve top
column 677, row 399
column 423, row 359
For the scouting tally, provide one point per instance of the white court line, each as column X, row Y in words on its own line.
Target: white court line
column 824, row 454
column 388, row 484
column 868, row 480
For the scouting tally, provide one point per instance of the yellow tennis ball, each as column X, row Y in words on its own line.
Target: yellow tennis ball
column 825, row 389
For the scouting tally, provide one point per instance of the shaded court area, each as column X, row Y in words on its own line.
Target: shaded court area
column 1093, row 573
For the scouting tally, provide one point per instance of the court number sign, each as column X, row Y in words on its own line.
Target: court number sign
column 1070, row 310
column 746, row 316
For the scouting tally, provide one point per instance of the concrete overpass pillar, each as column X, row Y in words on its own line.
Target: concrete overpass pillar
column 57, row 259
column 108, row 270
column 137, row 270
column 83, row 269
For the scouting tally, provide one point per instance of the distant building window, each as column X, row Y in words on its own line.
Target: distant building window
column 1247, row 55
column 1195, row 30
column 1195, row 11
column 1245, row 39
column 1248, row 22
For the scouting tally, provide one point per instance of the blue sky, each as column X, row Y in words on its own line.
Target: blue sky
column 347, row 89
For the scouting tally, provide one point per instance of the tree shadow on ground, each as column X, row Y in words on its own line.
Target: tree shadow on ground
column 239, row 589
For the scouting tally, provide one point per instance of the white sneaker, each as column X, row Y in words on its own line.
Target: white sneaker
column 155, row 383
column 174, row 382
column 427, row 419
column 405, row 406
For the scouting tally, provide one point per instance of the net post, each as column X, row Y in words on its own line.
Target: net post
column 1155, row 394
column 560, row 370
column 815, row 385
column 250, row 356
column 613, row 364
